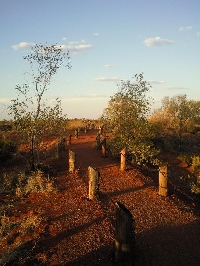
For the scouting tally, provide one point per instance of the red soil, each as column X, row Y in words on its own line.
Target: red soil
column 76, row 231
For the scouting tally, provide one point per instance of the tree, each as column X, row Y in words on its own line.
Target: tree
column 126, row 115
column 176, row 116
column 32, row 115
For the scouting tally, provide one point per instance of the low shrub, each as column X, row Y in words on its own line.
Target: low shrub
column 7, row 149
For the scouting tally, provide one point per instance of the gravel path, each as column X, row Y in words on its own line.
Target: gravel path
column 166, row 233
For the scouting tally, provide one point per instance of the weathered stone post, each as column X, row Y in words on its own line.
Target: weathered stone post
column 62, row 142
column 76, row 134
column 69, row 139
column 163, row 178
column 72, row 161
column 98, row 139
column 103, row 147
column 123, row 159
column 59, row 150
column 124, row 240
column 93, row 183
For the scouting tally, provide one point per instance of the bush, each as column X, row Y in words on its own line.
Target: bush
column 196, row 163
column 186, row 158
column 7, row 149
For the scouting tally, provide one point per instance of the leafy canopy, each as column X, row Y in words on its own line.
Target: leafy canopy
column 32, row 113
column 126, row 115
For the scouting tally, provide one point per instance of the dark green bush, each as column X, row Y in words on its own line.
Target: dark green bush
column 7, row 149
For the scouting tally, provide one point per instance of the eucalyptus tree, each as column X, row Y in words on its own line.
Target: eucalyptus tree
column 33, row 115
column 126, row 115
column 177, row 115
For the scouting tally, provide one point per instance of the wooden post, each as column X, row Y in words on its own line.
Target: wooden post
column 123, row 160
column 59, row 150
column 163, row 176
column 69, row 139
column 98, row 139
column 124, row 240
column 63, row 143
column 76, row 134
column 72, row 161
column 93, row 183
column 103, row 147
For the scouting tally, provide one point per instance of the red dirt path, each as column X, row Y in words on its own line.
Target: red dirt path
column 76, row 231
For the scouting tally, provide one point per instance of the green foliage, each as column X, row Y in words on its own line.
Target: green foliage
column 126, row 116
column 7, row 149
column 32, row 115
column 21, row 184
column 177, row 116
column 196, row 163
column 36, row 182
column 186, row 158
column 195, row 188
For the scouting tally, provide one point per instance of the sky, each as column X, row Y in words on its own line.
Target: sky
column 108, row 41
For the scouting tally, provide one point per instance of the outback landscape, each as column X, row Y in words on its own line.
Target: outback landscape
column 123, row 189
column 99, row 133
column 51, row 221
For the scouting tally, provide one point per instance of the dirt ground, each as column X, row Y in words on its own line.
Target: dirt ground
column 72, row 230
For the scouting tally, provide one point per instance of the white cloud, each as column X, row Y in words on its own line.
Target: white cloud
column 185, row 28
column 156, row 81
column 198, row 34
column 22, row 45
column 157, row 41
column 64, row 38
column 107, row 79
column 108, row 66
column 77, row 47
column 73, row 47
column 96, row 34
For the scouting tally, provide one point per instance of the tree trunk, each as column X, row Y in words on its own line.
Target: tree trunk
column 93, row 183
column 124, row 243
column 32, row 157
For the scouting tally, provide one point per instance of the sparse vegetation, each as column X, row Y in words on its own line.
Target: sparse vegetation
column 33, row 116
column 126, row 116
column 7, row 149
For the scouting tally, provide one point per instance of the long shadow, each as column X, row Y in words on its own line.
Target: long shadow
column 99, row 257
column 161, row 246
column 129, row 190
column 44, row 244
column 169, row 245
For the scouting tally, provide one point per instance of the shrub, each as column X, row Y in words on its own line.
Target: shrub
column 186, row 158
column 196, row 163
column 7, row 149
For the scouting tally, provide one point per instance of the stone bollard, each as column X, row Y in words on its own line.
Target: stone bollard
column 76, row 134
column 124, row 240
column 98, row 139
column 163, row 178
column 103, row 147
column 69, row 139
column 59, row 150
column 123, row 160
column 72, row 162
column 93, row 183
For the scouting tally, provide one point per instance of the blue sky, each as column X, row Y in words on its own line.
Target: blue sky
column 108, row 40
